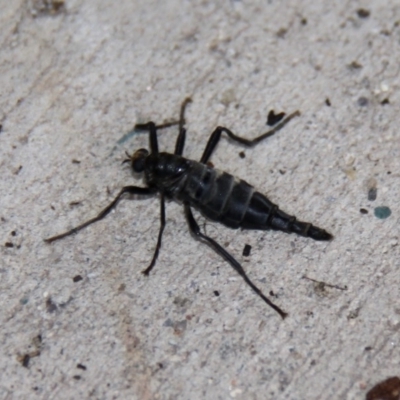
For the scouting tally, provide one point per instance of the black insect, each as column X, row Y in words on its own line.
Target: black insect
column 216, row 194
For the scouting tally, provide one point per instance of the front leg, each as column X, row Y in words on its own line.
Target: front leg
column 180, row 141
column 152, row 128
column 103, row 213
column 216, row 136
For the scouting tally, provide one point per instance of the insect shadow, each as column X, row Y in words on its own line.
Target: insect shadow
column 218, row 195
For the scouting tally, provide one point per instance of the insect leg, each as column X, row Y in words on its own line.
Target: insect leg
column 156, row 251
column 152, row 129
column 180, row 141
column 216, row 136
column 195, row 229
column 103, row 213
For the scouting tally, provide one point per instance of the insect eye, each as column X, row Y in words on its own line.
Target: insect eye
column 138, row 165
column 139, row 159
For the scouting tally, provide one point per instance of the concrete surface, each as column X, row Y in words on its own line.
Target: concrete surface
column 78, row 320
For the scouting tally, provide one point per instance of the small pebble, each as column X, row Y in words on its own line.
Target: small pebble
column 382, row 212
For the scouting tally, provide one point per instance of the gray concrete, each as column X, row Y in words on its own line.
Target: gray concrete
column 74, row 81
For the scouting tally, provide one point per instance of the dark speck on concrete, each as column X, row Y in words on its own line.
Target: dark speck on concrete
column 355, row 65
column 50, row 305
column 168, row 323
column 25, row 360
column 77, row 278
column 363, row 13
column 362, row 101
column 181, row 301
column 47, row 7
column 246, row 250
column 24, row 301
column 180, row 327
column 281, row 33
column 372, row 193
column 382, row 212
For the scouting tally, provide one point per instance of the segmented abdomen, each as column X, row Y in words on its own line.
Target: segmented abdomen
column 221, row 197
column 233, row 202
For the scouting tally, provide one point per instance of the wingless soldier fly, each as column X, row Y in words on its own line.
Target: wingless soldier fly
column 218, row 195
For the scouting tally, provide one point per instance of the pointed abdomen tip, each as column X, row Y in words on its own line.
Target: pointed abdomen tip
column 319, row 234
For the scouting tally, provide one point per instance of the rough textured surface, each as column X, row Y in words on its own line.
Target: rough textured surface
column 77, row 318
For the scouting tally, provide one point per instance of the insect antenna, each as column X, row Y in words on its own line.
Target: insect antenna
column 129, row 159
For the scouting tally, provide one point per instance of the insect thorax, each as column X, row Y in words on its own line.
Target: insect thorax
column 166, row 171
